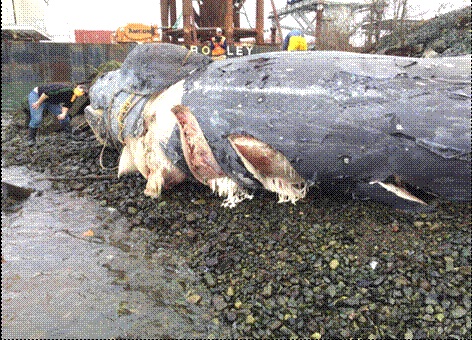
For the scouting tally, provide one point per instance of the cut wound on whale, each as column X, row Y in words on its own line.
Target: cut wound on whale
column 270, row 167
column 197, row 152
column 202, row 162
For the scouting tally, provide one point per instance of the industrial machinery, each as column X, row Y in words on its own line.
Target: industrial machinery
column 330, row 22
column 200, row 21
column 136, row 32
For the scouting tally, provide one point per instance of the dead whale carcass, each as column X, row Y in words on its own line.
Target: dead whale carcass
column 285, row 121
column 125, row 105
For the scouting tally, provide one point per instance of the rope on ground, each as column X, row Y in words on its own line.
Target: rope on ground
column 68, row 178
column 90, row 240
column 101, row 157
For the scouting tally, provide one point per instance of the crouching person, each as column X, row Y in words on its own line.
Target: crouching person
column 58, row 99
column 295, row 41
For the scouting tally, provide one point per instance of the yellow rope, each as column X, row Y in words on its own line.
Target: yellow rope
column 124, row 110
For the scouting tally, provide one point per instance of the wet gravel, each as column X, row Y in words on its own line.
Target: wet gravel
column 326, row 267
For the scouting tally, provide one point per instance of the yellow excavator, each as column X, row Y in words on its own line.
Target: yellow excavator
column 136, row 32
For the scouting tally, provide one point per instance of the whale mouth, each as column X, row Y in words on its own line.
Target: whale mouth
column 270, row 167
column 405, row 190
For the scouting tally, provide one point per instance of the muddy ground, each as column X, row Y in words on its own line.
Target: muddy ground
column 61, row 281
column 325, row 267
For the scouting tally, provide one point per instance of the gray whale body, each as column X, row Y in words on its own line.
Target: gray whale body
column 381, row 127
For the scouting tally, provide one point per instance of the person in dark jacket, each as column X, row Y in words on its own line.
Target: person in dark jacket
column 58, row 99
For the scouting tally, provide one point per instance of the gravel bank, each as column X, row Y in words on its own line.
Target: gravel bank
column 445, row 35
column 322, row 268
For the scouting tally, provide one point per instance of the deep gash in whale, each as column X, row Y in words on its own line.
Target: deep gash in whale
column 388, row 128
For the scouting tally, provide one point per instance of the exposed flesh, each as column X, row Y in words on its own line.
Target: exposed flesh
column 201, row 161
column 145, row 153
column 270, row 167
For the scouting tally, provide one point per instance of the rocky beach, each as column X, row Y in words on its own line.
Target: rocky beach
column 325, row 267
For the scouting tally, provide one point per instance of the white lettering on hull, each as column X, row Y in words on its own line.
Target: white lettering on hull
column 230, row 51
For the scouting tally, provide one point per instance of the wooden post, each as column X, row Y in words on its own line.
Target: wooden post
column 173, row 11
column 273, row 34
column 164, row 20
column 279, row 29
column 260, row 22
column 229, row 22
column 319, row 26
column 237, row 20
column 187, row 11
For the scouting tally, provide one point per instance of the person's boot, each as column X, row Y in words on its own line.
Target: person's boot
column 31, row 140
column 66, row 128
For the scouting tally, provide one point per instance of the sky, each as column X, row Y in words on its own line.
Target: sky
column 62, row 17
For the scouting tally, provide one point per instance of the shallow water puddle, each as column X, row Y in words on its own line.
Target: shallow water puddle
column 55, row 281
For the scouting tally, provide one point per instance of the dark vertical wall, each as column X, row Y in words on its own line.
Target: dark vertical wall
column 55, row 62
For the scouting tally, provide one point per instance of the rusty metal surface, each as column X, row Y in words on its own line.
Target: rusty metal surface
column 212, row 14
